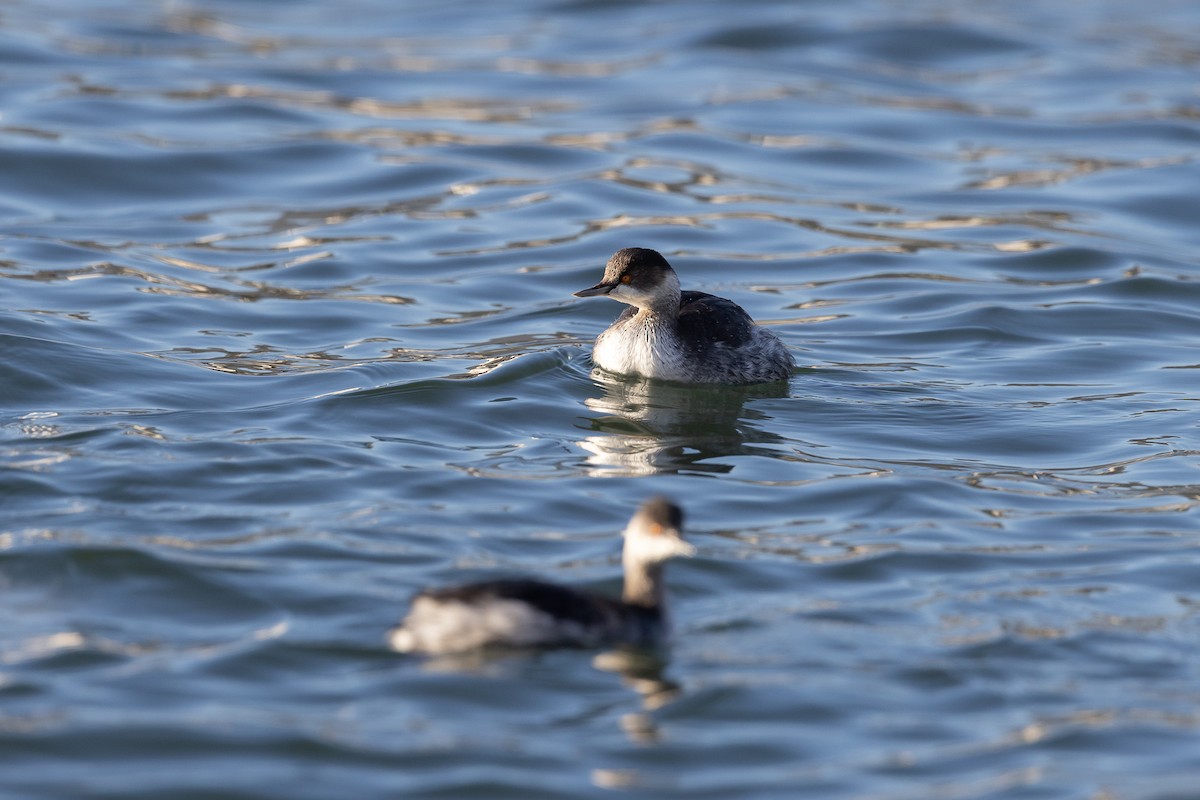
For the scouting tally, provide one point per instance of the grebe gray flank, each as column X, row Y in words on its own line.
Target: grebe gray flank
column 531, row 613
column 689, row 337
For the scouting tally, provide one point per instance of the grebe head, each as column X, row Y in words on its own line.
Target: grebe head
column 655, row 534
column 639, row 277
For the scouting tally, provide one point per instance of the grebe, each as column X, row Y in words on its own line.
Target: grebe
column 530, row 613
column 689, row 337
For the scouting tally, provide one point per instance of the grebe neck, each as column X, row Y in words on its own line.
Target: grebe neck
column 643, row 584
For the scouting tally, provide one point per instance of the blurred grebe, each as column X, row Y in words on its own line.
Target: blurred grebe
column 689, row 337
column 531, row 613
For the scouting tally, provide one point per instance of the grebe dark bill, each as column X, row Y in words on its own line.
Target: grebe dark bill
column 530, row 613
column 689, row 337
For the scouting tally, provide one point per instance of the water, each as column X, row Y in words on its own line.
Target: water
column 287, row 333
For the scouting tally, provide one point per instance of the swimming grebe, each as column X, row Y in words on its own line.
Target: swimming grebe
column 530, row 613
column 689, row 337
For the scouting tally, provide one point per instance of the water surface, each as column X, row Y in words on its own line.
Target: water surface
column 286, row 333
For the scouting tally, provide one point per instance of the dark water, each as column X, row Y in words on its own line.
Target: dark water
column 286, row 332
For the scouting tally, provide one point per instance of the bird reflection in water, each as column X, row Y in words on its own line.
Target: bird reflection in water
column 649, row 427
column 643, row 671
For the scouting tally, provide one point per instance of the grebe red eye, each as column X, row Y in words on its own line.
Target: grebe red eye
column 626, row 278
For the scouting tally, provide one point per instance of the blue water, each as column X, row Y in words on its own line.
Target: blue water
column 286, row 333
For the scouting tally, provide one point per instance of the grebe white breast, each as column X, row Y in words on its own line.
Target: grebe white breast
column 532, row 613
column 689, row 337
